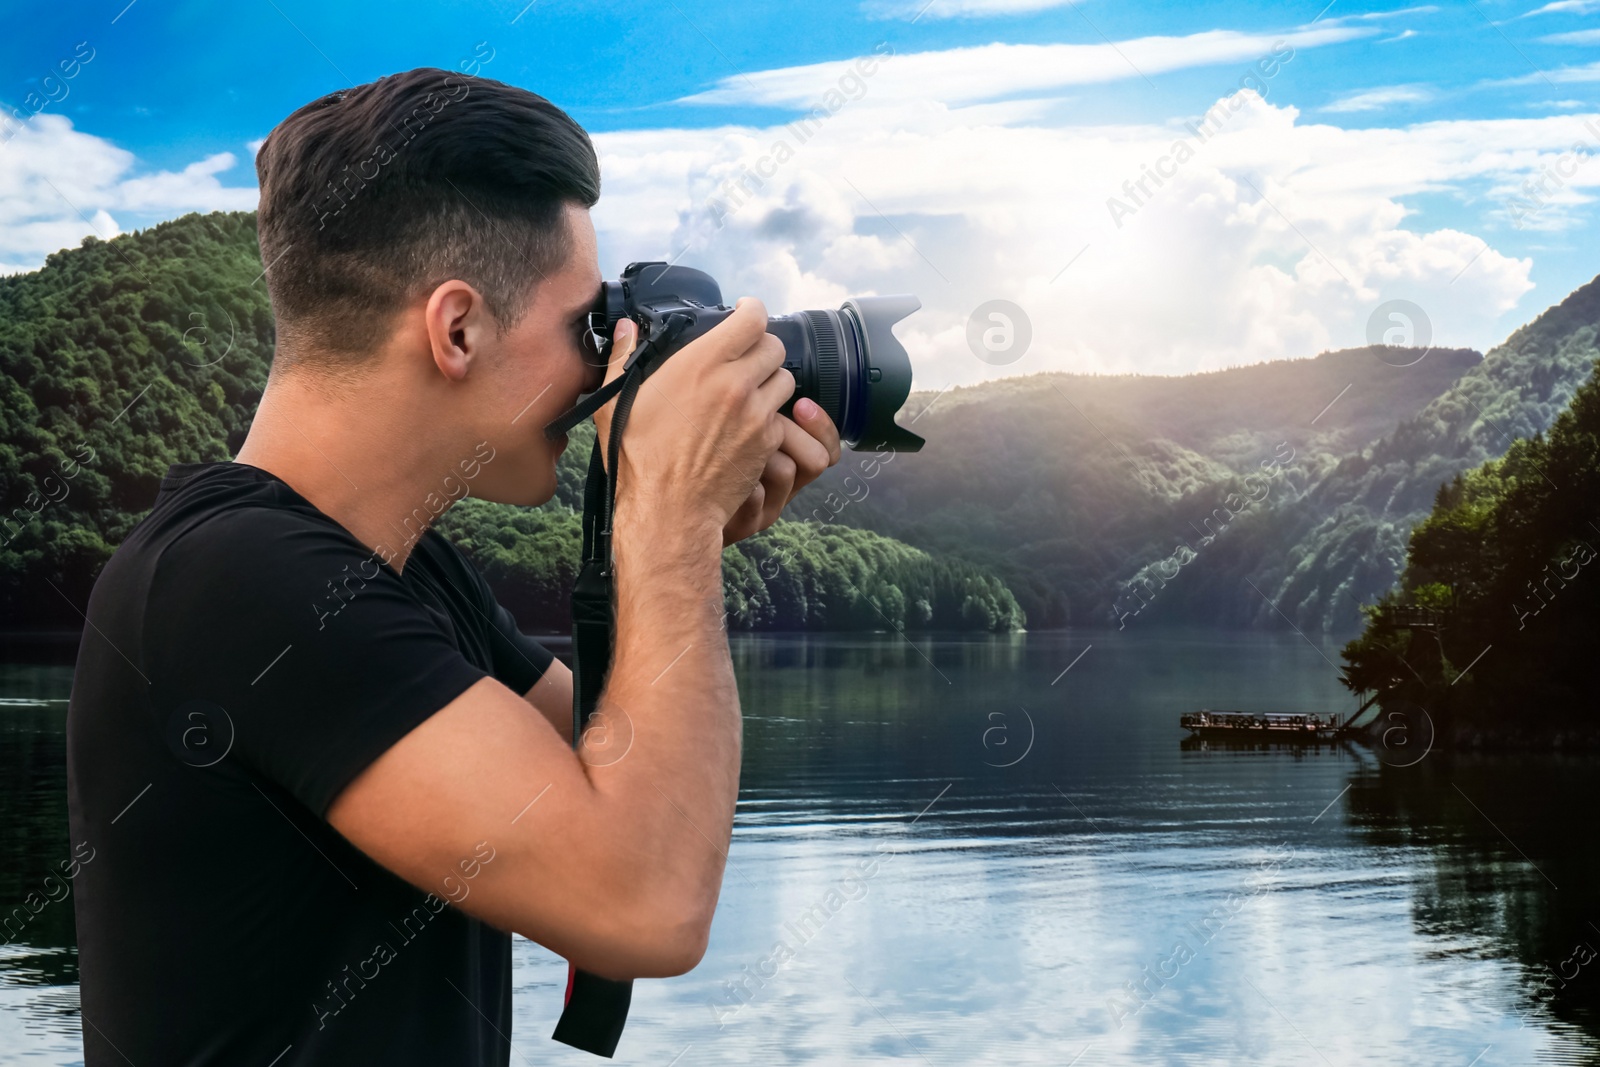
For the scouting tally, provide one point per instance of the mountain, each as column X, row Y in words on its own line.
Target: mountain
column 1070, row 486
column 1350, row 534
column 794, row 576
column 1244, row 497
column 118, row 359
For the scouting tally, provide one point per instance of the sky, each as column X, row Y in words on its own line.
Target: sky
column 1157, row 188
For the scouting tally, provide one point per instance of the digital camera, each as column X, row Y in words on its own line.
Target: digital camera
column 848, row 361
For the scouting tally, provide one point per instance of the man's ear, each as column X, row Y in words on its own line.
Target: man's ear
column 458, row 324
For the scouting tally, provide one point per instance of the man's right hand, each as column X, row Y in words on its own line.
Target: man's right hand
column 703, row 425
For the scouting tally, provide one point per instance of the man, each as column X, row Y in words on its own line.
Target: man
column 323, row 774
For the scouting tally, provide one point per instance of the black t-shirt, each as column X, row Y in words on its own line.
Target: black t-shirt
column 245, row 658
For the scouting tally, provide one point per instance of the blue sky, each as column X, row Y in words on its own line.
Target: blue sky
column 1369, row 166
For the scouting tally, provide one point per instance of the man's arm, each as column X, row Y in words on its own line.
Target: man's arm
column 810, row 446
column 610, row 855
column 598, row 858
column 551, row 696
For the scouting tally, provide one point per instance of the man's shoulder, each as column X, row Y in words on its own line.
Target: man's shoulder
column 204, row 515
column 235, row 536
column 202, row 504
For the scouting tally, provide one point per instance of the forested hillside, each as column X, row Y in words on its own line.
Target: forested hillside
column 1072, row 486
column 1363, row 511
column 121, row 358
column 118, row 359
column 1139, row 500
column 795, row 576
column 1492, row 628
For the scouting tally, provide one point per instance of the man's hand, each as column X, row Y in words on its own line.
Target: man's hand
column 810, row 446
column 682, row 399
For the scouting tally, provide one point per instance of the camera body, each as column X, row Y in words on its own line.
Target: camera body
column 848, row 360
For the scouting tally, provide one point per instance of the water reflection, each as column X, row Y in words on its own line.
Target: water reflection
column 992, row 849
column 38, row 958
column 1511, row 854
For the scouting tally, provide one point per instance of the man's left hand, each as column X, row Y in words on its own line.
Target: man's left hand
column 810, row 446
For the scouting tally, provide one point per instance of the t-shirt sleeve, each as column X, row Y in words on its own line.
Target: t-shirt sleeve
column 316, row 652
column 519, row 660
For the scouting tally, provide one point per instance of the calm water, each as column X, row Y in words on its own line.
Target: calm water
column 955, row 853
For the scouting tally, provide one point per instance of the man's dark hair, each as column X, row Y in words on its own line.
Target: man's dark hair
column 372, row 196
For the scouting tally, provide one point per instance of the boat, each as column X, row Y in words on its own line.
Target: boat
column 1259, row 726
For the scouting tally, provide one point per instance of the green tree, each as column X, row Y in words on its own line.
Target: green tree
column 1492, row 626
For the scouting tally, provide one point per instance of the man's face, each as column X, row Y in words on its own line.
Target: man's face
column 535, row 373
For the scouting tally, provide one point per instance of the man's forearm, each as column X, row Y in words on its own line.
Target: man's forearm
column 671, row 744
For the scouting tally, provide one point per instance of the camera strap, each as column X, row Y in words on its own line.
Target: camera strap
column 596, row 1008
column 587, row 406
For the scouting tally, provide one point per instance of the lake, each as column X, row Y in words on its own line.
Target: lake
column 1002, row 850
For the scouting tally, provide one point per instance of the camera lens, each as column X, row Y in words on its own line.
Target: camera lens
column 850, row 362
column 847, row 360
column 821, row 351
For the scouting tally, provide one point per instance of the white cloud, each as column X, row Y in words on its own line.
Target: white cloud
column 916, row 10
column 1426, row 9
column 992, row 71
column 1568, row 7
column 59, row 184
column 1378, row 99
column 1566, row 75
column 1575, row 37
column 1589, row 73
column 1224, row 263
column 174, row 190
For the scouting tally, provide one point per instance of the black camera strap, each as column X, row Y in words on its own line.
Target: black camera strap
column 585, row 407
column 596, row 1008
